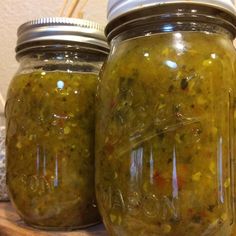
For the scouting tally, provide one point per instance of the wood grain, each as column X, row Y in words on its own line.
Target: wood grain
column 12, row 225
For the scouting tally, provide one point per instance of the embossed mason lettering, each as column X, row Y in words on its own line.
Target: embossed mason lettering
column 38, row 184
column 149, row 204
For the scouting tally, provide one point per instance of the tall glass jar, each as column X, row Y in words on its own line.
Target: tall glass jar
column 165, row 156
column 50, row 123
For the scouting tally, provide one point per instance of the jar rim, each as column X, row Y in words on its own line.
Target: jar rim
column 169, row 14
column 119, row 8
column 61, row 30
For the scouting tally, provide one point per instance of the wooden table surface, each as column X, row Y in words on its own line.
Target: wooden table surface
column 12, row 225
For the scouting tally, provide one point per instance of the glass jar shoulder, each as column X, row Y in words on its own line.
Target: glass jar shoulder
column 171, row 50
column 50, row 81
column 50, row 90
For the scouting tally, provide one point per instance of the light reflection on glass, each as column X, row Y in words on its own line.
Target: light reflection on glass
column 179, row 46
column 174, row 176
column 171, row 64
column 178, row 42
column 151, row 166
column 148, row 34
column 56, row 172
column 136, row 164
column 60, row 84
column 220, row 170
column 44, row 162
column 168, row 28
column 178, row 35
column 213, row 56
column 38, row 160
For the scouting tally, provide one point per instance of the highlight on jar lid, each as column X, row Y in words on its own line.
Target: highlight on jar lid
column 59, row 30
column 117, row 8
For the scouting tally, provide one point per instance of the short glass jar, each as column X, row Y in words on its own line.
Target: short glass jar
column 50, row 114
column 164, row 161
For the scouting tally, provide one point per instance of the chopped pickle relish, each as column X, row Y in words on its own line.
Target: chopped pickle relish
column 164, row 156
column 50, row 148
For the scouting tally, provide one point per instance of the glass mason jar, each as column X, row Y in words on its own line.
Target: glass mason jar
column 51, row 123
column 164, row 158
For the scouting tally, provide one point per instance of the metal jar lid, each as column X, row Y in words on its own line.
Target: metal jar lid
column 117, row 8
column 60, row 30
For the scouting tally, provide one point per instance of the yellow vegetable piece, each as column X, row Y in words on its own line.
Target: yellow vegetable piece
column 212, row 167
column 113, row 218
column 201, row 100
column 227, row 183
column 224, row 217
column 196, row 177
column 19, row 145
column 67, row 130
column 166, row 228
column 207, row 62
column 177, row 138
